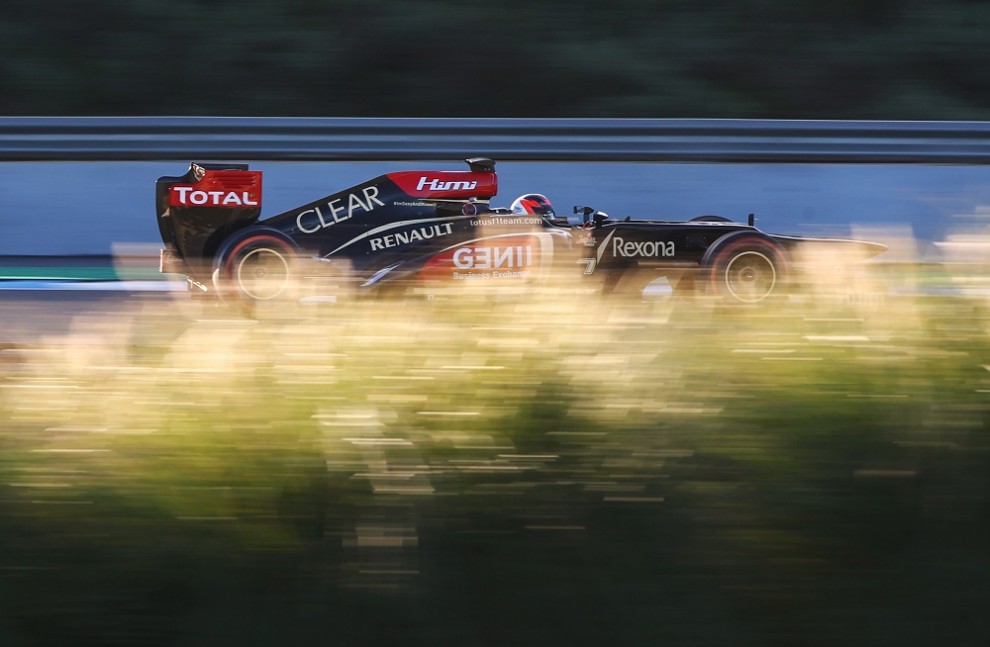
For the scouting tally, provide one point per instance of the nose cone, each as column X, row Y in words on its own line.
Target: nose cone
column 867, row 249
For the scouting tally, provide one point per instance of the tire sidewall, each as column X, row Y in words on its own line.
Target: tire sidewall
column 241, row 247
column 724, row 252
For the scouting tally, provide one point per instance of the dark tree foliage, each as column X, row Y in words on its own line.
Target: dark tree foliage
column 871, row 59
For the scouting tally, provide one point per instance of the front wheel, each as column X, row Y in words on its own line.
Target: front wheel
column 746, row 269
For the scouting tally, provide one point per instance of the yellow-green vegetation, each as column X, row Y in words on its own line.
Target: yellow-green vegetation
column 549, row 467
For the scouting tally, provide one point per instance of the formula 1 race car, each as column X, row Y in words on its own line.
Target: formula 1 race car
column 432, row 227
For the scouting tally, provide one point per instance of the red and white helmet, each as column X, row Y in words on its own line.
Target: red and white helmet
column 533, row 204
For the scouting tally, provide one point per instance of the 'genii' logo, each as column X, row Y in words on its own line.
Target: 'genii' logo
column 186, row 196
column 489, row 258
column 630, row 249
column 434, row 184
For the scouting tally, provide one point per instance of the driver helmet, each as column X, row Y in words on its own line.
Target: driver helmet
column 533, row 204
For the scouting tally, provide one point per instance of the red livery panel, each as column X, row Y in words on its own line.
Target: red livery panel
column 231, row 189
column 452, row 185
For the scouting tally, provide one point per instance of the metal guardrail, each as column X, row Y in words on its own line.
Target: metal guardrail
column 602, row 140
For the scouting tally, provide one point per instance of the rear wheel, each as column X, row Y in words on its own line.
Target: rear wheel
column 259, row 267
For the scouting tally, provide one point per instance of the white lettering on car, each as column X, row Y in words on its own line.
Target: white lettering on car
column 508, row 220
column 630, row 249
column 434, row 184
column 412, row 236
column 490, row 258
column 335, row 211
column 187, row 195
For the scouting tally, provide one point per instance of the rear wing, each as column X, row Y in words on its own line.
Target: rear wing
column 195, row 211
column 210, row 185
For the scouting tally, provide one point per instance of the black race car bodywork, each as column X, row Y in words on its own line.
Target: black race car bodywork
column 429, row 227
column 712, row 255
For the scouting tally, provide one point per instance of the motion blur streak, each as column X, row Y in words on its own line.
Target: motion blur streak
column 550, row 467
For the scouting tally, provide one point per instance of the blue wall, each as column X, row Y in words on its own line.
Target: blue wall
column 69, row 208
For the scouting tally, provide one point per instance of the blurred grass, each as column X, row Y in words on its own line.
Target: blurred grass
column 549, row 468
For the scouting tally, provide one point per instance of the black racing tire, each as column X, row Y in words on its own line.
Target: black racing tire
column 257, row 266
column 745, row 268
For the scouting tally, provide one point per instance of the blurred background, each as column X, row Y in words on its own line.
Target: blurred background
column 550, row 469
column 848, row 59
